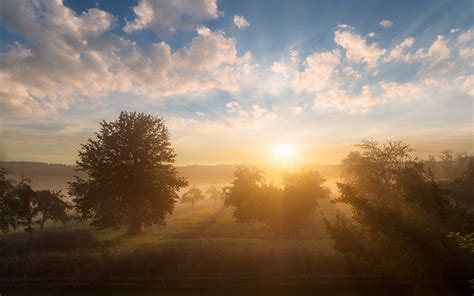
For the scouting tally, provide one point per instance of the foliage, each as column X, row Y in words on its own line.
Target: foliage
column 20, row 205
column 26, row 208
column 400, row 216
column 461, row 188
column 284, row 208
column 192, row 196
column 51, row 206
column 131, row 177
column 8, row 205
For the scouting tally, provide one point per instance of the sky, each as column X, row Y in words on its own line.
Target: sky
column 235, row 79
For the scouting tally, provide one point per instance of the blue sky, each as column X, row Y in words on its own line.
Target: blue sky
column 235, row 78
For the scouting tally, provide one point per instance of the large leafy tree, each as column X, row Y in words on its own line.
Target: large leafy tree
column 401, row 218
column 132, row 180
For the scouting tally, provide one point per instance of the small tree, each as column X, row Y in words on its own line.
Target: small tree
column 192, row 196
column 132, row 179
column 214, row 193
column 25, row 209
column 51, row 206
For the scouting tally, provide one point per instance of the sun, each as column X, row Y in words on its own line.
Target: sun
column 284, row 153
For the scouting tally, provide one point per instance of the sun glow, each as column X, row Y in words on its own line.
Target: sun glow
column 284, row 153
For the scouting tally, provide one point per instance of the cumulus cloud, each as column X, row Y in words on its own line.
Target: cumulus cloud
column 240, row 22
column 71, row 57
column 357, row 48
column 166, row 17
column 386, row 23
column 280, row 68
column 397, row 53
column 439, row 50
column 371, row 34
column 320, row 72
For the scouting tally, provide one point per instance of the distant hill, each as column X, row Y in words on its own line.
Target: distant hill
column 56, row 176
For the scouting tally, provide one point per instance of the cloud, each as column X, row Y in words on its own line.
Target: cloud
column 70, row 57
column 166, row 17
column 465, row 36
column 397, row 52
column 233, row 107
column 454, row 30
column 293, row 55
column 386, row 23
column 438, row 51
column 371, row 34
column 320, row 72
column 339, row 99
column 280, row 68
column 357, row 48
column 240, row 22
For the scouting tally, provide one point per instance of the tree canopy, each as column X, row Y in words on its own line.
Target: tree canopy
column 132, row 180
column 283, row 208
column 193, row 195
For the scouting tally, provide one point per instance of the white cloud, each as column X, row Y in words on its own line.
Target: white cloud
column 454, row 30
column 357, row 48
column 371, row 34
column 233, row 106
column 465, row 36
column 166, row 17
column 339, row 99
column 386, row 23
column 397, row 52
column 438, row 51
column 280, row 68
column 466, row 53
column 240, row 22
column 76, row 57
column 320, row 72
column 351, row 72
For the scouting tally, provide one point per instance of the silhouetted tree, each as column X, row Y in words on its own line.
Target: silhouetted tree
column 214, row 193
column 132, row 179
column 51, row 206
column 25, row 209
column 245, row 193
column 400, row 216
column 284, row 209
column 192, row 196
column 8, row 205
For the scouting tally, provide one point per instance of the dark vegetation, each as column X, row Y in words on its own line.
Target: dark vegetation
column 392, row 216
